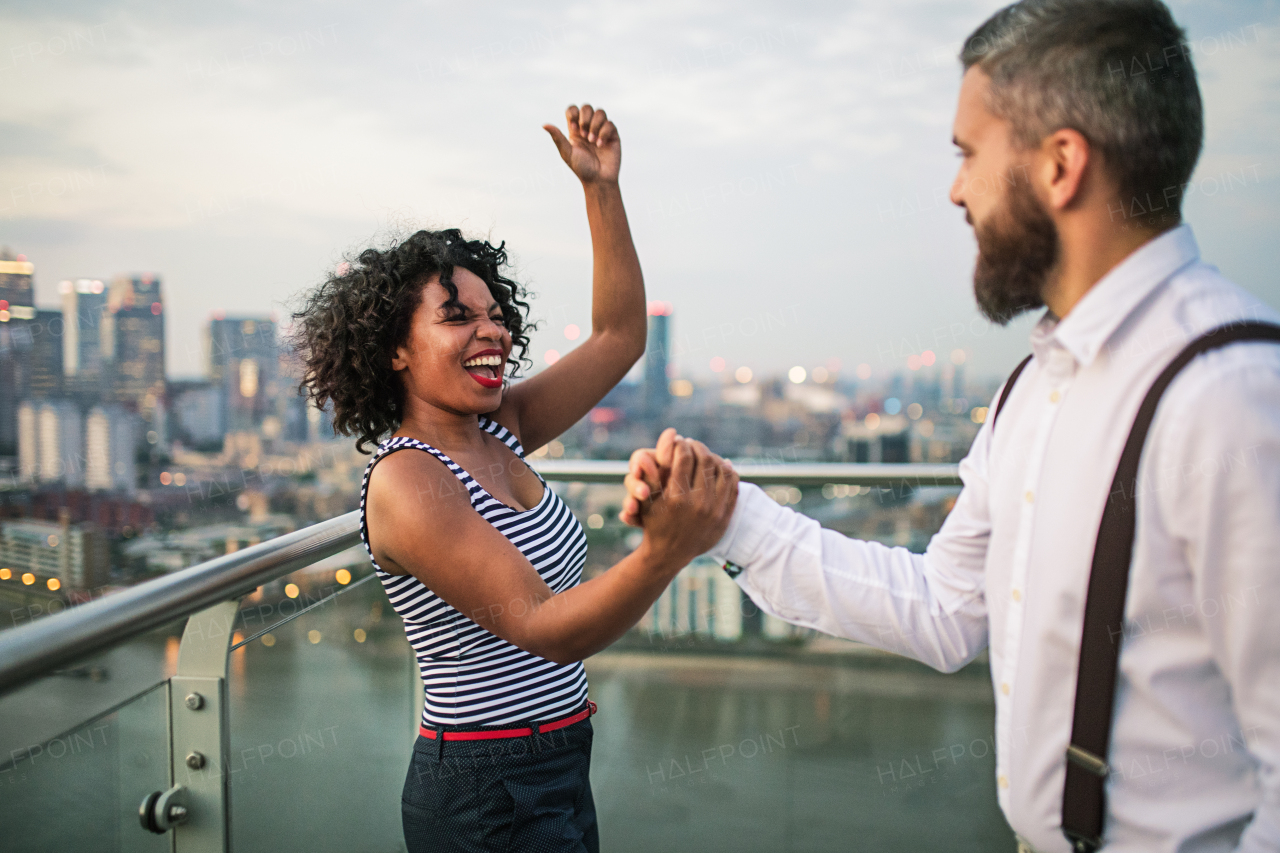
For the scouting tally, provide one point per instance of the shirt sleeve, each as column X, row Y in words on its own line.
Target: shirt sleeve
column 929, row 606
column 1221, row 449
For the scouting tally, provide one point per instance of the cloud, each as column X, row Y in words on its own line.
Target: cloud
column 770, row 148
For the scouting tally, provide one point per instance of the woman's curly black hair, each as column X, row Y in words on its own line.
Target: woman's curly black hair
column 348, row 328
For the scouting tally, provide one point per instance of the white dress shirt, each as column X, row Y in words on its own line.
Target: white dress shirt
column 1195, row 749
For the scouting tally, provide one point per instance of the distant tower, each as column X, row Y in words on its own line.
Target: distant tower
column 85, row 348
column 197, row 413
column 17, row 310
column 657, row 387
column 44, row 377
column 49, row 442
column 244, row 366
column 28, row 443
column 136, row 332
column 109, row 449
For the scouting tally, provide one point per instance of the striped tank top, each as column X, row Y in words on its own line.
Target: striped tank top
column 472, row 677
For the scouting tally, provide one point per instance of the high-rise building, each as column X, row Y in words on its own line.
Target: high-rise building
column 78, row 556
column 135, row 329
column 85, row 347
column 244, row 366
column 17, row 310
column 657, row 389
column 17, row 298
column 27, row 443
column 109, row 443
column 50, row 447
column 292, row 403
column 15, row 349
column 44, row 374
column 926, row 388
column 196, row 413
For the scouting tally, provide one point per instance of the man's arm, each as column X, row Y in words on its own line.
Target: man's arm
column 929, row 606
column 1216, row 463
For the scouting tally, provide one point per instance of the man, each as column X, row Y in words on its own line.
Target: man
column 1079, row 123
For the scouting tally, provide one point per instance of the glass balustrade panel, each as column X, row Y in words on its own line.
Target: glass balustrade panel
column 81, row 789
column 324, row 711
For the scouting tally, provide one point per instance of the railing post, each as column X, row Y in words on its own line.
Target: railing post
column 200, row 720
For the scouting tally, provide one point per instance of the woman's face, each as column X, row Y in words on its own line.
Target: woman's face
column 455, row 361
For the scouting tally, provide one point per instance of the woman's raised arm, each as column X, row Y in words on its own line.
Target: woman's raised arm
column 544, row 406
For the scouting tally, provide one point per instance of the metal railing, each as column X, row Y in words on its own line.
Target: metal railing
column 889, row 475
column 208, row 595
column 55, row 641
column 28, row 652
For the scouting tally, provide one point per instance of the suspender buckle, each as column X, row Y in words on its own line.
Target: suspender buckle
column 1082, row 843
column 1086, row 760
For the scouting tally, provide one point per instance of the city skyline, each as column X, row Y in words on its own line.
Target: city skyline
column 683, row 352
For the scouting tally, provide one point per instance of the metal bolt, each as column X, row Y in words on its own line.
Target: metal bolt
column 195, row 761
column 177, row 814
column 195, row 701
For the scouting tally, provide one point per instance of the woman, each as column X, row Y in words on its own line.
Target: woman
column 478, row 556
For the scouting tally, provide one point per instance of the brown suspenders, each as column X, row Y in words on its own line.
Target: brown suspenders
column 1008, row 386
column 1084, row 795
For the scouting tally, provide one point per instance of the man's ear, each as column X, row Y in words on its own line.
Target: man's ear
column 1066, row 159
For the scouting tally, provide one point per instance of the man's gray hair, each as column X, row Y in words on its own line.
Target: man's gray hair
column 1117, row 71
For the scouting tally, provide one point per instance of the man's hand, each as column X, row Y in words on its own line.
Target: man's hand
column 690, row 512
column 592, row 149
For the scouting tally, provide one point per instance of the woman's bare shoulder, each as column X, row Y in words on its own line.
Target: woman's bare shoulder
column 410, row 481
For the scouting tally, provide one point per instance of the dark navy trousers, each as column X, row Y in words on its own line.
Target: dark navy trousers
column 527, row 794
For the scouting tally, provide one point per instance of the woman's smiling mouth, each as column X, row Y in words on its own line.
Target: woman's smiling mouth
column 486, row 368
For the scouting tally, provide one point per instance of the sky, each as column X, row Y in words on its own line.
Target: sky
column 785, row 166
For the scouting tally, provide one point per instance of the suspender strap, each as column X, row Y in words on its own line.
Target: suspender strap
column 1008, row 386
column 1084, row 795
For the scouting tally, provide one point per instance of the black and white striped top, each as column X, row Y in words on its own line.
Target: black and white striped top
column 472, row 677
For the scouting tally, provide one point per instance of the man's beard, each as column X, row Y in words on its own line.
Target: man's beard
column 1017, row 250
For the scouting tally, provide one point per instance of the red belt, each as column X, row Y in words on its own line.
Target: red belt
column 491, row 734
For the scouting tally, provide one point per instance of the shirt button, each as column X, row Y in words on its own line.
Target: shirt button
column 1003, row 781
column 1054, row 397
column 1030, row 498
column 1004, row 688
column 1017, row 595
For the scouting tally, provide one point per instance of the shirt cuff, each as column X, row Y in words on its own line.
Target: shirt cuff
column 753, row 517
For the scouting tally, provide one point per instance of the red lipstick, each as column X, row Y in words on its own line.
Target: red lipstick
column 488, row 375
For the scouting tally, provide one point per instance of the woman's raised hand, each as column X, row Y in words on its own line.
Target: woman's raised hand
column 592, row 148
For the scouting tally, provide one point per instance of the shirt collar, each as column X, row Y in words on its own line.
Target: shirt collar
column 1115, row 296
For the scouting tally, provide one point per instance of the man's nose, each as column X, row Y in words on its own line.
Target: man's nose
column 957, row 190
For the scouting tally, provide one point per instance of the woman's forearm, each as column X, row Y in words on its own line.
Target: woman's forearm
column 589, row 617
column 617, row 302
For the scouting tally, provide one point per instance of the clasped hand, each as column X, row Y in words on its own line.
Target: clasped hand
column 681, row 494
